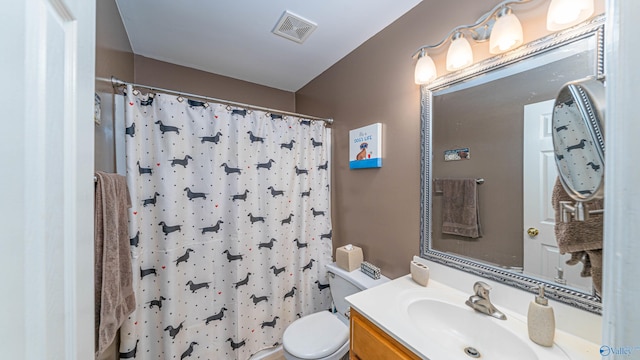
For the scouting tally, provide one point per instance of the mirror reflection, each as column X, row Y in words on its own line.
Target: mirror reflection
column 578, row 142
column 494, row 130
column 578, row 138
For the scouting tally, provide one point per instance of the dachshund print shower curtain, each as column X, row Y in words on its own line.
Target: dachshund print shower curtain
column 230, row 227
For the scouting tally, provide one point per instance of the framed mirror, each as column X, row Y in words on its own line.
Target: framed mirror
column 491, row 123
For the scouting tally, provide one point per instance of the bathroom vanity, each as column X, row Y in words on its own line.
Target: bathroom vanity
column 368, row 341
column 403, row 320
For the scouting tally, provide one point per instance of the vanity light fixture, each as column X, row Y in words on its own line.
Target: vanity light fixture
column 506, row 33
column 425, row 68
column 459, row 54
column 566, row 13
column 503, row 30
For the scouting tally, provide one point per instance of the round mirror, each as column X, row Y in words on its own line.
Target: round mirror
column 578, row 139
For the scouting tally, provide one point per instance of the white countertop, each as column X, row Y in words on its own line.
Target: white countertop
column 386, row 306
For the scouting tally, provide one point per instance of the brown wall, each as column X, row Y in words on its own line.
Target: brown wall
column 180, row 78
column 378, row 209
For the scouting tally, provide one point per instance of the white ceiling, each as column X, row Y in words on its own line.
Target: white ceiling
column 234, row 37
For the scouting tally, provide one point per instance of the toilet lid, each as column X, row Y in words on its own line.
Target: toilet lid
column 315, row 336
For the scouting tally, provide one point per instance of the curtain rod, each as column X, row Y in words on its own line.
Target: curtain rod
column 115, row 82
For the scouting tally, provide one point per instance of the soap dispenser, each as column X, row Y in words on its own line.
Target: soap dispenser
column 541, row 322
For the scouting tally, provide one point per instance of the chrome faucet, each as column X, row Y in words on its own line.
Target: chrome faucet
column 480, row 301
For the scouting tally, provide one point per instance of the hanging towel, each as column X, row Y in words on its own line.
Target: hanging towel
column 460, row 210
column 583, row 239
column 114, row 296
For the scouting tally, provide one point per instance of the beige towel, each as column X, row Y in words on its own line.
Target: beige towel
column 583, row 239
column 460, row 209
column 114, row 294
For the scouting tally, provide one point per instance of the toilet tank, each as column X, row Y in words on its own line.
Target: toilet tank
column 343, row 283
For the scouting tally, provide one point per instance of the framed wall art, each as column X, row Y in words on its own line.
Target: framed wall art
column 365, row 147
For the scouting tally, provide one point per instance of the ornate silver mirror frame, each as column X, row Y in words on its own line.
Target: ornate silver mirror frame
column 593, row 27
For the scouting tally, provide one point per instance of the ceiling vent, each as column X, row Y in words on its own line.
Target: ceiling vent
column 294, row 28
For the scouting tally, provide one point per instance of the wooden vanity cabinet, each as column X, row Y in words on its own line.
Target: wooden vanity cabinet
column 369, row 342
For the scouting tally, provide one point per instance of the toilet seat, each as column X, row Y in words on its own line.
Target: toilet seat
column 315, row 336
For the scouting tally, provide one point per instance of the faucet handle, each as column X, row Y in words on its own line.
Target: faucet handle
column 482, row 289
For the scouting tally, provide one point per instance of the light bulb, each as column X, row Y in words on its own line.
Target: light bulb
column 459, row 54
column 506, row 33
column 566, row 13
column 425, row 69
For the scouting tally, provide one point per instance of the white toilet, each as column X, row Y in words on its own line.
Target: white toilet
column 325, row 335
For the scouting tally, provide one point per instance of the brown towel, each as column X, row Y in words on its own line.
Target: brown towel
column 460, row 209
column 583, row 239
column 114, row 294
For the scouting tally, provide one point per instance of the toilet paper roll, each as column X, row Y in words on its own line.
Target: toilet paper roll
column 420, row 273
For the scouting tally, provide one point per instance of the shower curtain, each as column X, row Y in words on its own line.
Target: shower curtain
column 230, row 227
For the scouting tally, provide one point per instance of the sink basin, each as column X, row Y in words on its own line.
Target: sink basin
column 462, row 333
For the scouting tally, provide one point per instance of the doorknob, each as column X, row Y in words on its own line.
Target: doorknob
column 533, row 232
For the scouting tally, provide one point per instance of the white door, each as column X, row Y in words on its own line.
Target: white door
column 541, row 256
column 46, row 187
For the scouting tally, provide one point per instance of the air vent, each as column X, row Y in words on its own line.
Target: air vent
column 294, row 27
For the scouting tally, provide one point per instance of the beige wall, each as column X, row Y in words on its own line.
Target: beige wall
column 378, row 209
